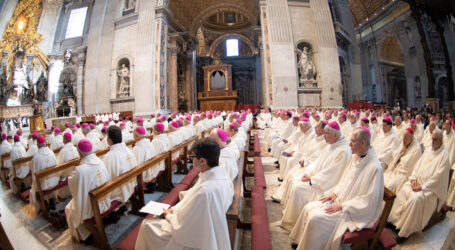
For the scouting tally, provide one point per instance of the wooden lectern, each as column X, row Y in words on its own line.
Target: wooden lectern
column 218, row 93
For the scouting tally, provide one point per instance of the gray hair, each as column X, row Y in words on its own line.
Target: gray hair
column 330, row 130
column 438, row 131
column 362, row 135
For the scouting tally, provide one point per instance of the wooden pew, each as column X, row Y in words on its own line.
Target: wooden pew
column 40, row 175
column 4, row 171
column 368, row 238
column 96, row 225
column 24, row 196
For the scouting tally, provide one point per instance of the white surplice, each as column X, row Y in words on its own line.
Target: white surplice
column 385, row 144
column 411, row 210
column 44, row 158
column 56, row 142
column 94, row 140
column 17, row 152
column 68, row 153
column 228, row 161
column 120, row 160
column 198, row 220
column 85, row 177
column 161, row 145
column 325, row 173
column 144, row 151
column 360, row 191
column 449, row 144
column 401, row 166
column 33, row 148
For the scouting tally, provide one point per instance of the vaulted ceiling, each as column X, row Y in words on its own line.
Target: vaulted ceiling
column 363, row 9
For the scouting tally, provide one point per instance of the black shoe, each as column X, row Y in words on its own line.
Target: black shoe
column 275, row 200
column 294, row 245
column 269, row 149
column 280, row 180
column 401, row 239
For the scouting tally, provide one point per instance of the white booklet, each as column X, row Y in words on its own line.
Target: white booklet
column 154, row 208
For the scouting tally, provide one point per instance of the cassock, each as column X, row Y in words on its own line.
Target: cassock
column 411, row 210
column 120, row 160
column 401, row 166
column 360, row 191
column 68, row 153
column 385, row 144
column 56, row 142
column 301, row 151
column 325, row 173
column 85, row 177
column 161, row 145
column 144, row 151
column 44, row 158
column 198, row 221
column 18, row 152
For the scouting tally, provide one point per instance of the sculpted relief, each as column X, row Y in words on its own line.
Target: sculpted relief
column 306, row 68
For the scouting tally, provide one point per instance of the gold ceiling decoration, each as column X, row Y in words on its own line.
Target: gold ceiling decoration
column 20, row 36
column 390, row 51
column 363, row 10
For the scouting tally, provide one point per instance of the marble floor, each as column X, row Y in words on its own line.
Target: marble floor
column 440, row 236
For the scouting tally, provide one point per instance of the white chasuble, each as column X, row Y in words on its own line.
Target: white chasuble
column 411, row 210
column 385, row 144
column 401, row 166
column 360, row 192
column 449, row 144
column 325, row 173
column 228, row 161
column 161, row 145
column 85, row 177
column 198, row 221
column 120, row 160
column 68, row 153
column 56, row 142
column 17, row 152
column 32, row 149
column 144, row 151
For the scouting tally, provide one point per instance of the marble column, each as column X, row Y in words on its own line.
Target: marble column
column 80, row 81
column 48, row 23
column 144, row 89
column 173, row 75
column 280, row 57
column 160, row 61
column 329, row 76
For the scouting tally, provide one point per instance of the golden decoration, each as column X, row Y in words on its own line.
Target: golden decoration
column 20, row 36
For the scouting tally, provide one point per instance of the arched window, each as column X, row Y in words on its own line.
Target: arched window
column 76, row 21
column 232, row 47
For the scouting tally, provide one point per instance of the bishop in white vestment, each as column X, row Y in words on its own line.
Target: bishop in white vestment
column 17, row 152
column 68, row 153
column 144, row 151
column 425, row 192
column 355, row 202
column 198, row 221
column 386, row 142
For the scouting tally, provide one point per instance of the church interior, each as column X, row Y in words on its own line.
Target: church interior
column 332, row 119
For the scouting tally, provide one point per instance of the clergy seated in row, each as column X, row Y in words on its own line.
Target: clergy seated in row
column 198, row 125
column 17, row 152
column 228, row 156
column 104, row 143
column 319, row 176
column 237, row 142
column 144, row 151
column 353, row 204
column 174, row 137
column 403, row 162
column 426, row 140
column 22, row 139
column 198, row 221
column 344, row 125
column 399, row 127
column 96, row 144
column 51, row 136
column 449, row 141
column 119, row 160
column 126, row 135
column 365, row 122
column 5, row 147
column 189, row 129
column 307, row 153
column 264, row 119
column 279, row 146
column 43, row 159
column 418, row 131
column 90, row 174
column 301, row 150
column 33, row 145
column 282, row 131
column 353, row 123
column 57, row 140
column 160, row 143
column 67, row 128
column 77, row 135
column 386, row 142
column 425, row 191
column 242, row 131
column 68, row 153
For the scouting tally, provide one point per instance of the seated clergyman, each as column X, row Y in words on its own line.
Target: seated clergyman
column 198, row 221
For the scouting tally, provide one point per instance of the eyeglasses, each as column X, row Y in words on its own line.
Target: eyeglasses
column 192, row 156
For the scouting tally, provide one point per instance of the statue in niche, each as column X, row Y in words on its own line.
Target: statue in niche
column 124, row 81
column 408, row 34
column 307, row 70
column 130, row 5
column 3, row 87
column 68, row 76
column 41, row 88
column 20, row 81
column 418, row 87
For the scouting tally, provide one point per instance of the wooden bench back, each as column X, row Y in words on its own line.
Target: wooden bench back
column 389, row 198
column 20, row 162
column 100, row 192
column 5, row 157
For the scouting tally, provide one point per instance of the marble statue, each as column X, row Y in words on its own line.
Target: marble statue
column 307, row 69
column 130, row 4
column 68, row 76
column 41, row 88
column 124, row 79
column 3, row 88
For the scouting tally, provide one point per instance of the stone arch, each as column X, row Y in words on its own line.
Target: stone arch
column 223, row 38
column 391, row 51
column 197, row 22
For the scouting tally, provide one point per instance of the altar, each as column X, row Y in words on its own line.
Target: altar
column 218, row 93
